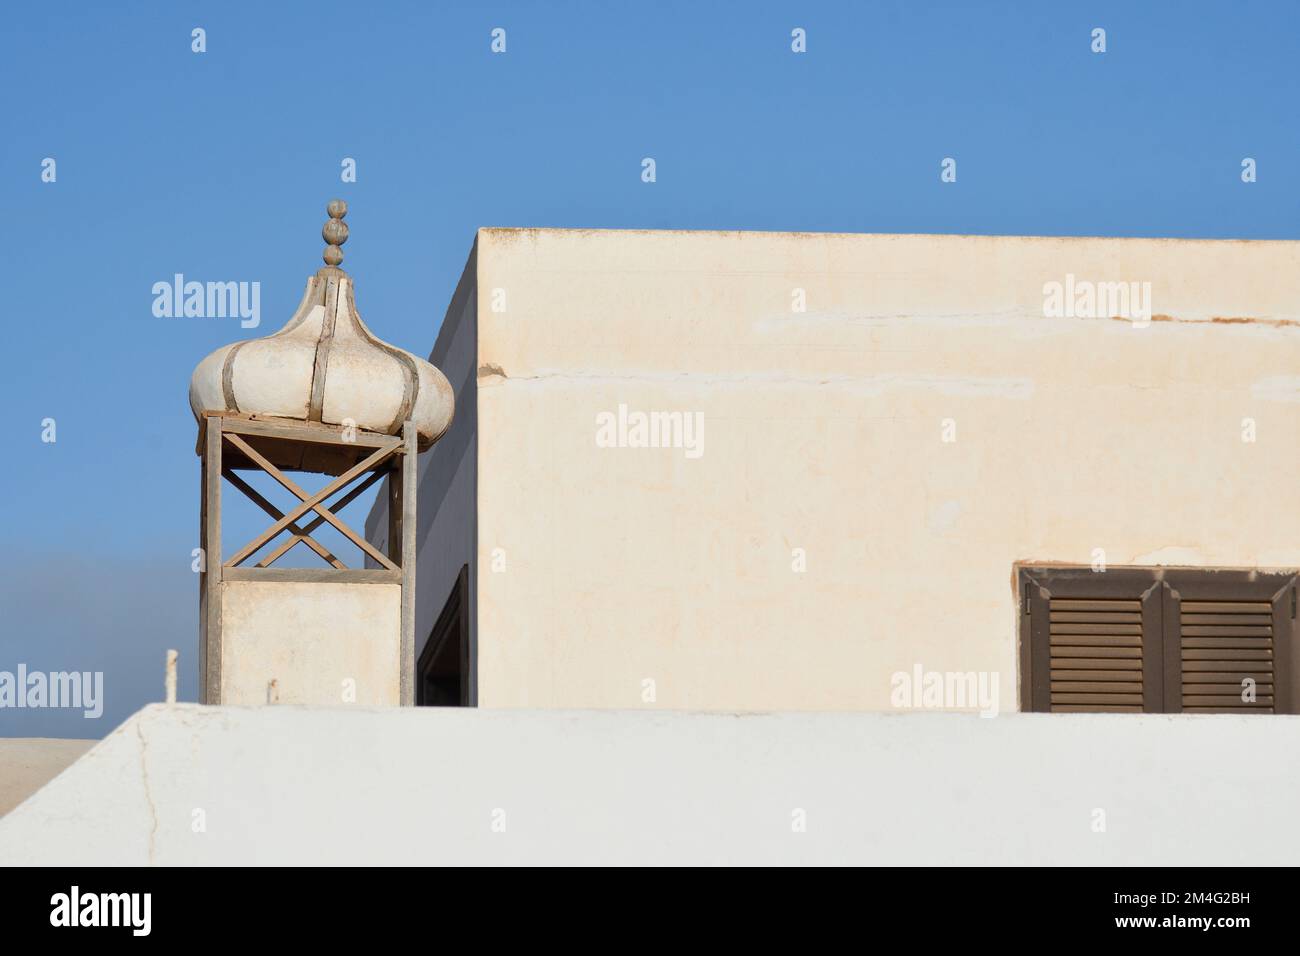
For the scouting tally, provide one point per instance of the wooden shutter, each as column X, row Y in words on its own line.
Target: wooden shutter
column 1095, row 641
column 1229, row 638
column 1158, row 640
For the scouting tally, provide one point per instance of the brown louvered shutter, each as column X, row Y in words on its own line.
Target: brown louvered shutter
column 1095, row 641
column 1158, row 641
column 1229, row 639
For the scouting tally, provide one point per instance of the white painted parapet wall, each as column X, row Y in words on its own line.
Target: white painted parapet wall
column 287, row 785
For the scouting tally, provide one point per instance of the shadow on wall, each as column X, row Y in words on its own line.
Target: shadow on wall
column 112, row 618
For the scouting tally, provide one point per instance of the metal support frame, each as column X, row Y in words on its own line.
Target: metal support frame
column 230, row 442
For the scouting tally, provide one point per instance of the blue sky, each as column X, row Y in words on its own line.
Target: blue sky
column 218, row 165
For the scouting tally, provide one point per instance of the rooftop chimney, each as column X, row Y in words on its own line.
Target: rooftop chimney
column 324, row 396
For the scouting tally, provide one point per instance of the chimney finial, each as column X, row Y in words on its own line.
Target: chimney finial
column 335, row 232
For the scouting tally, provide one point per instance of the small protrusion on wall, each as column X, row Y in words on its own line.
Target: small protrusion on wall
column 169, row 680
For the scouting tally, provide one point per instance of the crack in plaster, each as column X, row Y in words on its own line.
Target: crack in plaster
column 148, row 794
column 1267, row 322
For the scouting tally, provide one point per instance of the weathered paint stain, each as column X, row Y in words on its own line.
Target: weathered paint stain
column 1217, row 320
column 1014, row 388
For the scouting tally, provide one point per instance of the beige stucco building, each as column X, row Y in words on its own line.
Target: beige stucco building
column 717, row 472
column 856, row 443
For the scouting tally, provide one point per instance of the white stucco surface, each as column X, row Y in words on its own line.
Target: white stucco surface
column 317, row 641
column 364, row 381
column 290, row 785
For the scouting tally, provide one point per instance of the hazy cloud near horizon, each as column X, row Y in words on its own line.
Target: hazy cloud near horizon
column 118, row 616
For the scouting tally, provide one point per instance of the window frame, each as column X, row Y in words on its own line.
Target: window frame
column 1161, row 591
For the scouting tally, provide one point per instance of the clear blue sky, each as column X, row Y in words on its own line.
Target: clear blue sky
column 218, row 166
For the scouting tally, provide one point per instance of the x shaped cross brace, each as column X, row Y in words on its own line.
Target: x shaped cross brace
column 306, row 503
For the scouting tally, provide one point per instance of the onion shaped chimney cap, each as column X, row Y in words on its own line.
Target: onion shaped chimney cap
column 325, row 365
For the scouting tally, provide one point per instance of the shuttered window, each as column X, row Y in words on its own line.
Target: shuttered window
column 1157, row 640
column 1223, row 644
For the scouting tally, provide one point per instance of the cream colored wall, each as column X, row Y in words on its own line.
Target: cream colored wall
column 822, row 431
column 310, row 638
column 445, row 509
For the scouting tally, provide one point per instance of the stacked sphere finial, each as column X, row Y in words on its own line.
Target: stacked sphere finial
column 335, row 232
